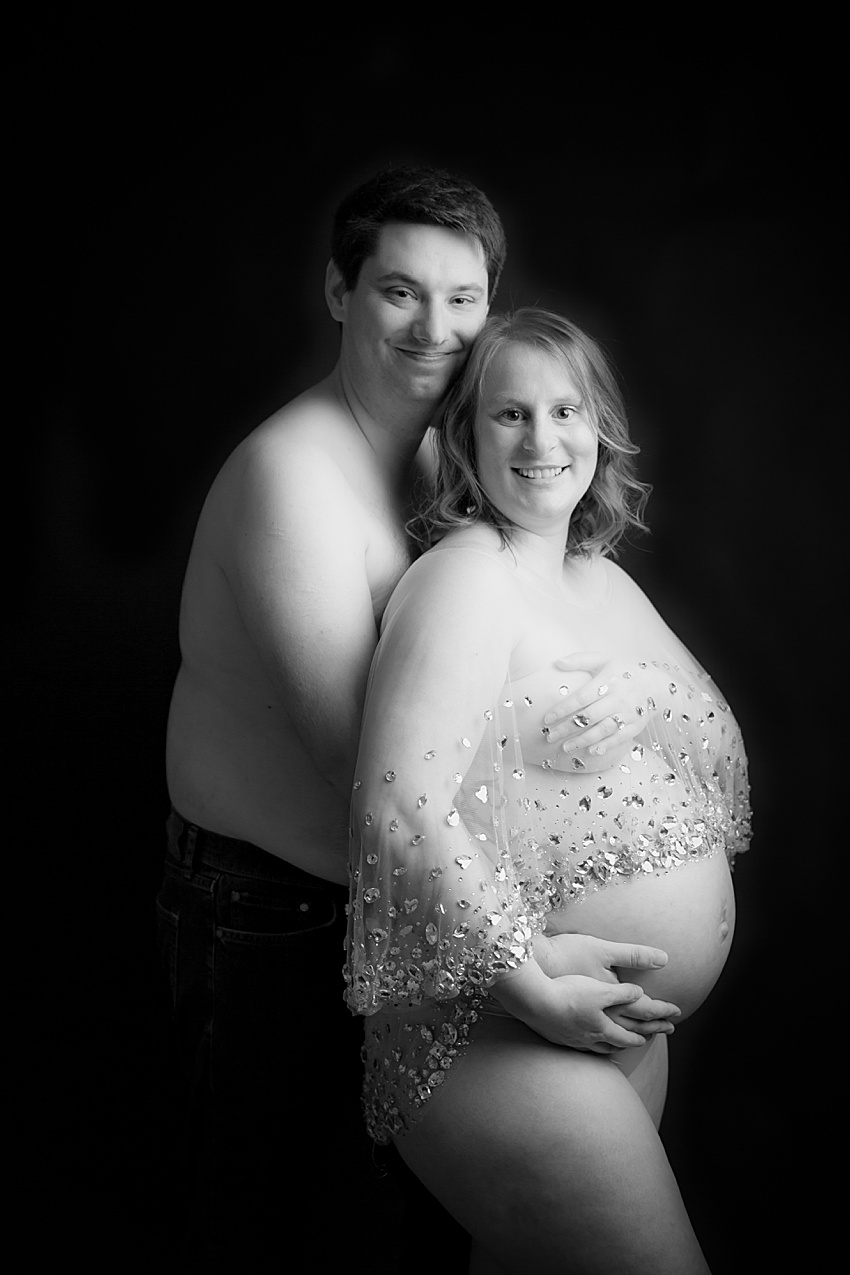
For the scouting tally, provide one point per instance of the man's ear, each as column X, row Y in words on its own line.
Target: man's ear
column 335, row 292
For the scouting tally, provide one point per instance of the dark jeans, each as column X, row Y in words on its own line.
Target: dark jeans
column 275, row 1150
column 276, row 1170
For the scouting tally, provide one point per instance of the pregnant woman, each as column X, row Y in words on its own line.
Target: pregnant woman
column 481, row 853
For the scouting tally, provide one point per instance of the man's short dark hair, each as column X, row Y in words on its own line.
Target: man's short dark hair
column 418, row 196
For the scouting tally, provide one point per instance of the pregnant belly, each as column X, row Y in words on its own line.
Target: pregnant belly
column 688, row 911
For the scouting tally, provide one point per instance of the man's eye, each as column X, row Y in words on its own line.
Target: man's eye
column 464, row 301
column 401, row 293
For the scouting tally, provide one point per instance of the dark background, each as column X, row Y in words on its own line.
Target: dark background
column 679, row 200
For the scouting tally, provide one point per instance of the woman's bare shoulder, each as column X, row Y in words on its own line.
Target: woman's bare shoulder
column 474, row 556
column 467, row 571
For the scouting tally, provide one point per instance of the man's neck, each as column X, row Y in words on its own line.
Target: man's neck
column 393, row 431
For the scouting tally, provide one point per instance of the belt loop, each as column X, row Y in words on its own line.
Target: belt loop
column 185, row 839
column 191, row 845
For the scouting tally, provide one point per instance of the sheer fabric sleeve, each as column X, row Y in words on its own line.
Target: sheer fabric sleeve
column 692, row 748
column 691, row 741
column 444, row 866
column 692, row 730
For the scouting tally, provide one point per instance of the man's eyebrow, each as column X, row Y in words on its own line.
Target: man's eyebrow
column 398, row 276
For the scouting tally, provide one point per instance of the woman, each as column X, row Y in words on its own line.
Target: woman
column 481, row 853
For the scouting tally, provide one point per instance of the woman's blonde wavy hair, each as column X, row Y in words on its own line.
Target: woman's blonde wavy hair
column 615, row 500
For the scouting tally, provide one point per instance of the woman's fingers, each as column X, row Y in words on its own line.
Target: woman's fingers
column 596, row 737
column 644, row 1015
column 634, row 956
column 582, row 662
column 593, row 716
column 619, row 1037
column 620, row 994
column 644, row 1010
column 584, row 700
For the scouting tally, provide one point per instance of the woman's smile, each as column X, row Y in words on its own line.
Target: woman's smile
column 538, row 474
column 537, row 446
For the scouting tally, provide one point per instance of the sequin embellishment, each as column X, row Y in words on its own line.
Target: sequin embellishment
column 452, row 884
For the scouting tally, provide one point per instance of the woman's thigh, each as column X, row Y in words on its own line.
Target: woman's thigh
column 645, row 1068
column 550, row 1160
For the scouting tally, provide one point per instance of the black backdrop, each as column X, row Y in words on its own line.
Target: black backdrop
column 685, row 209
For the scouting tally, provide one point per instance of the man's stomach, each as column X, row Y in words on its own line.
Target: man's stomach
column 244, row 773
column 688, row 911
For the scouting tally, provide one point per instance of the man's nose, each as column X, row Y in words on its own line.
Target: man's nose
column 429, row 327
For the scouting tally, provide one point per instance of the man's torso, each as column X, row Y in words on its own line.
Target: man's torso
column 236, row 762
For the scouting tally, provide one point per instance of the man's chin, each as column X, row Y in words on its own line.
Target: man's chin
column 427, row 387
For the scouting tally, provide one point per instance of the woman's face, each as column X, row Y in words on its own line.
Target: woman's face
column 536, row 447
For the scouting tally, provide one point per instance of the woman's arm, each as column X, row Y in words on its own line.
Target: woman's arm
column 447, row 889
column 439, row 831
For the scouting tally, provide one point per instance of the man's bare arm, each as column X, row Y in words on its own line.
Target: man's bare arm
column 298, row 571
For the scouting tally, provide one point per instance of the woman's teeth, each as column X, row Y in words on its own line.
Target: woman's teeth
column 541, row 473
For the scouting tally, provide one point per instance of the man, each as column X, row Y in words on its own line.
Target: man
column 298, row 548
column 299, row 545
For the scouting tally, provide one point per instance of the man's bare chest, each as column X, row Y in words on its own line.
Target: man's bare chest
column 389, row 553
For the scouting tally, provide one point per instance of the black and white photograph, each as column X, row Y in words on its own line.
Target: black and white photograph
column 427, row 647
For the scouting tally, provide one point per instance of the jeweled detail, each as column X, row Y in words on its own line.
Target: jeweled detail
column 433, row 953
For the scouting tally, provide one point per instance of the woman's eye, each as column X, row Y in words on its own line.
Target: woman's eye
column 564, row 413
column 511, row 415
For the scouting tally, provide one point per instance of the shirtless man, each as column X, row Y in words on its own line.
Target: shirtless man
column 298, row 548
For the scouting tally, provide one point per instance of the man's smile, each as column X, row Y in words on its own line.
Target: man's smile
column 427, row 356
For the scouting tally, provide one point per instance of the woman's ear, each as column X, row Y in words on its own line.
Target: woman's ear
column 336, row 292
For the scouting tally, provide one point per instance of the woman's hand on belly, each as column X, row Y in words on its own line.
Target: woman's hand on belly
column 581, row 1012
column 688, row 912
column 563, row 954
column 558, row 954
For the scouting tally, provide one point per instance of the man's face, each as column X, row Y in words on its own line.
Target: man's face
column 414, row 312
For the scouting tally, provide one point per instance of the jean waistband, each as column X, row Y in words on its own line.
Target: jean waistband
column 192, row 846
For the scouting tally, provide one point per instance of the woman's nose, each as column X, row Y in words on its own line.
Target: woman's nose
column 538, row 439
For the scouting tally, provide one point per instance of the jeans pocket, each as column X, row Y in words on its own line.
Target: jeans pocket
column 167, row 931
column 281, row 914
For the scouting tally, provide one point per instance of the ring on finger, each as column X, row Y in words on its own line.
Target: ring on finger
column 602, row 690
column 621, row 725
column 581, row 720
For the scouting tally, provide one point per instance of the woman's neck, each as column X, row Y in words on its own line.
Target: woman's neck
column 580, row 580
column 543, row 554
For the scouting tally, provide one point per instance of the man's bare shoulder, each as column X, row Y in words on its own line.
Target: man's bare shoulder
column 312, row 426
column 309, row 446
